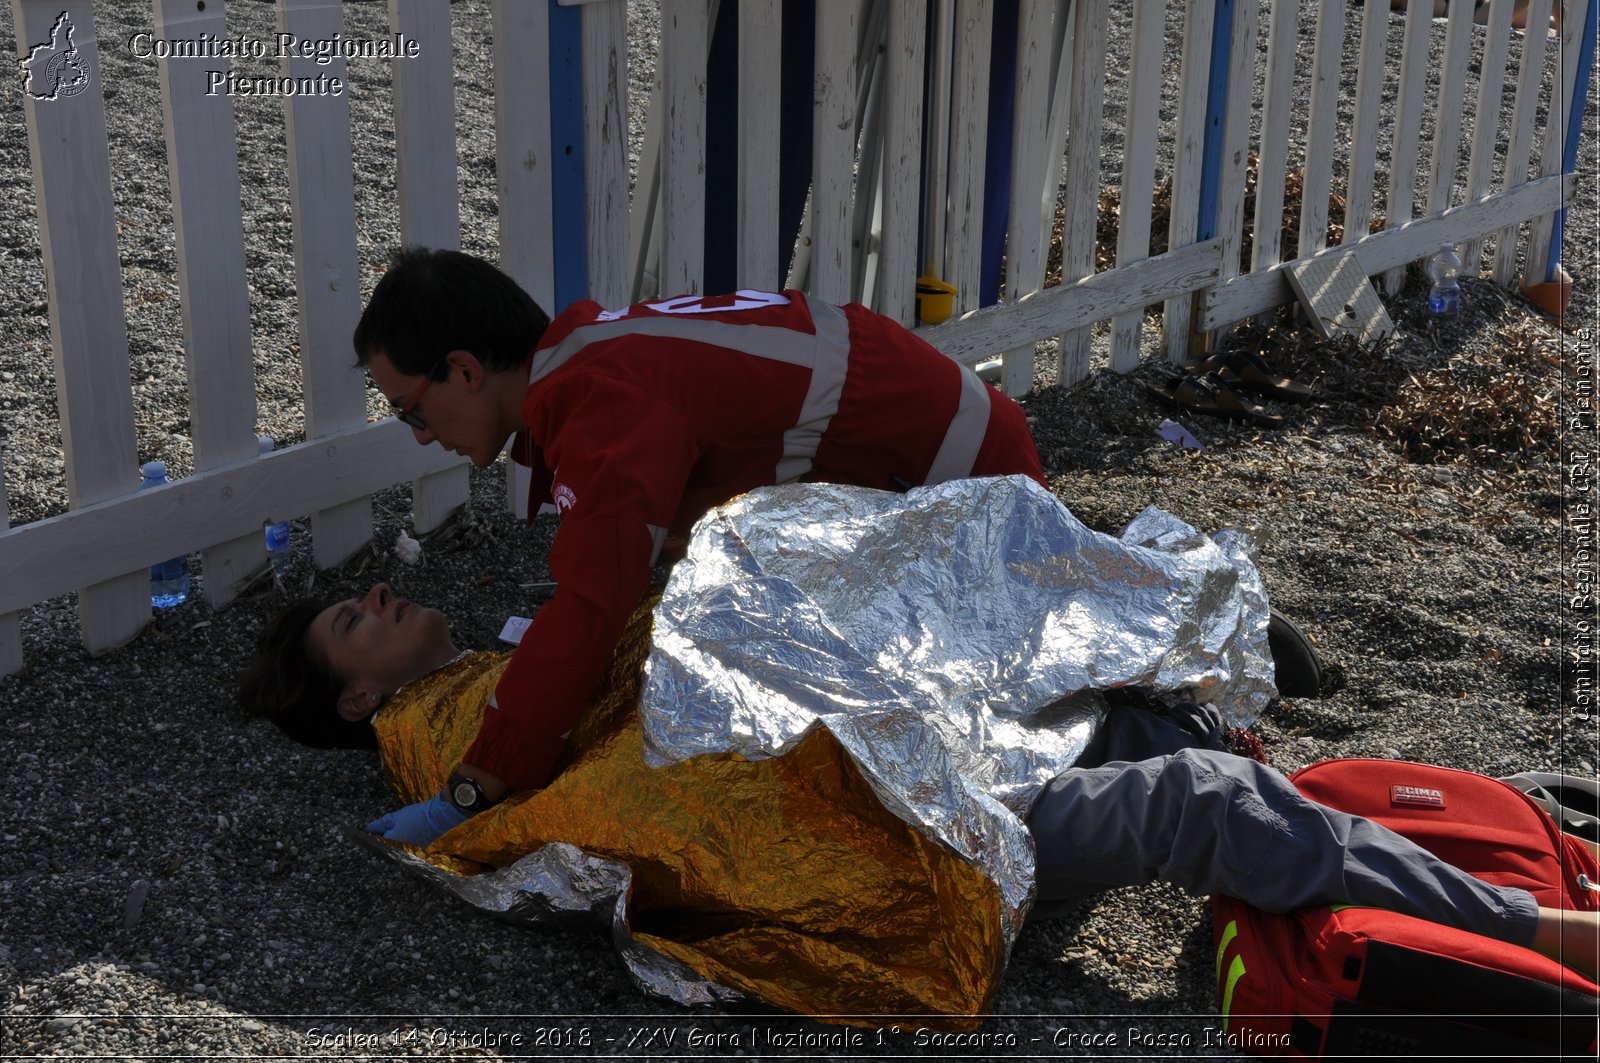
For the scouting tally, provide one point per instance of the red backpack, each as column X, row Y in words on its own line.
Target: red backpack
column 1342, row 980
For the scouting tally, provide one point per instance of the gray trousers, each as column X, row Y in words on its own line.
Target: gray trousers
column 1216, row 823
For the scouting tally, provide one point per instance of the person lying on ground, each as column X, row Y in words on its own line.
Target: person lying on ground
column 1206, row 820
column 637, row 421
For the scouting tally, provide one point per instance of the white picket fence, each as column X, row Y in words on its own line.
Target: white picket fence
column 566, row 232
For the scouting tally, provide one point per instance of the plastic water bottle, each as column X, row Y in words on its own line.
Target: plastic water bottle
column 277, row 535
column 1444, row 267
column 169, row 581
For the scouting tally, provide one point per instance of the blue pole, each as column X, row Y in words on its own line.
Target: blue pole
column 569, row 233
column 1216, row 120
column 997, row 149
column 1575, row 111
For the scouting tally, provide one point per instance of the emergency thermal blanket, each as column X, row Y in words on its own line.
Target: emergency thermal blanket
column 805, row 775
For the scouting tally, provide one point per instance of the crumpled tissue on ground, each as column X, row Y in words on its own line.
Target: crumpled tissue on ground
column 933, row 658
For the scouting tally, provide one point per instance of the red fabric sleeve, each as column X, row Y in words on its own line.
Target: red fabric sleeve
column 620, row 459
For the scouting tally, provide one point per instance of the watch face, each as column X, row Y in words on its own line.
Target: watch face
column 465, row 795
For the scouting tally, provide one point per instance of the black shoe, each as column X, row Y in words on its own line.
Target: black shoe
column 1296, row 667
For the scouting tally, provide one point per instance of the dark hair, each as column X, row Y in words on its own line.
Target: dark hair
column 430, row 303
column 284, row 683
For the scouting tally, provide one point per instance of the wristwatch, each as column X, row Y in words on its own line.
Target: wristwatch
column 466, row 794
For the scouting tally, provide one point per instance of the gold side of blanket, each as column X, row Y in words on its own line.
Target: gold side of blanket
column 786, row 878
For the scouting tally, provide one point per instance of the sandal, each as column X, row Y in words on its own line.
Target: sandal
column 1210, row 396
column 1246, row 371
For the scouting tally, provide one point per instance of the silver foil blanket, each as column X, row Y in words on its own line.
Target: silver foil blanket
column 952, row 638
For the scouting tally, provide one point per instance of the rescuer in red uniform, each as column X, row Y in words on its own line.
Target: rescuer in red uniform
column 635, row 423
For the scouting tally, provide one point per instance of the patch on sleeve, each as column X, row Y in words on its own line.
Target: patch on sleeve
column 564, row 497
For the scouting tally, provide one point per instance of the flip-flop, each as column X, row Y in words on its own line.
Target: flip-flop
column 1207, row 395
column 1246, row 371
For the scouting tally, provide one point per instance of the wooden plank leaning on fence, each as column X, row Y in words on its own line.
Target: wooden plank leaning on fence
column 425, row 178
column 203, row 170
column 72, row 187
column 328, row 275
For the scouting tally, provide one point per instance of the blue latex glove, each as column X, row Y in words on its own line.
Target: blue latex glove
column 420, row 823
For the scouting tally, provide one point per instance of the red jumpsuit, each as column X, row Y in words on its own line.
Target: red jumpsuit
column 641, row 420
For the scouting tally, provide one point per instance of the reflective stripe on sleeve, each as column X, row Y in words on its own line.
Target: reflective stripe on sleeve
column 832, row 362
column 963, row 439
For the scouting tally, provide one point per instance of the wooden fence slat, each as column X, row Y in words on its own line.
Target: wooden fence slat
column 1198, row 24
column 425, row 179
column 1447, row 114
column 969, row 126
column 522, row 146
column 1387, row 248
column 1272, row 159
column 1540, row 229
column 1321, row 126
column 605, row 148
column 866, row 215
column 760, row 56
column 1145, row 74
column 1519, row 152
column 523, row 176
column 1076, row 304
column 88, row 334
column 1027, row 241
column 1236, row 135
column 684, row 30
column 203, row 171
column 1364, row 137
column 1414, row 65
column 1083, row 175
column 1486, row 126
column 211, row 506
column 902, row 158
column 328, row 288
column 833, row 149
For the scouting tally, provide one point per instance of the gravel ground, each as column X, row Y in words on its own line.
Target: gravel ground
column 179, row 883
